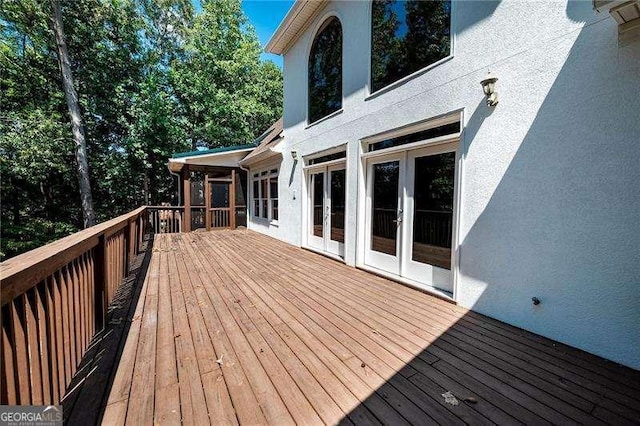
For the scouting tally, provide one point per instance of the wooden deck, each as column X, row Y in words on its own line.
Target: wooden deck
column 235, row 327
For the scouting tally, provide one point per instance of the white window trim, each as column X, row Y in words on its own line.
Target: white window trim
column 271, row 173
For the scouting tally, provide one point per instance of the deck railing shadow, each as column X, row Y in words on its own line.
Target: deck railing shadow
column 87, row 395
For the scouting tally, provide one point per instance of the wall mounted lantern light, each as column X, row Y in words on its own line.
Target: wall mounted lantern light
column 294, row 155
column 489, row 89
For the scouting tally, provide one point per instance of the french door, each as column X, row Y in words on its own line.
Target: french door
column 409, row 212
column 326, row 201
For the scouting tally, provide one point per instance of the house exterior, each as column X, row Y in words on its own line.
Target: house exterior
column 389, row 158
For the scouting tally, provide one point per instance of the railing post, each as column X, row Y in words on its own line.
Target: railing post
column 130, row 236
column 142, row 228
column 100, row 280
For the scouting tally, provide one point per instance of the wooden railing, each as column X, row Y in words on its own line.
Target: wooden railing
column 220, row 217
column 54, row 299
column 165, row 219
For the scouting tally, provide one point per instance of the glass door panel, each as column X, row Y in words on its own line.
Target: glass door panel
column 335, row 205
column 318, row 203
column 430, row 206
column 433, row 209
column 337, row 198
column 384, row 213
column 316, row 209
column 384, row 220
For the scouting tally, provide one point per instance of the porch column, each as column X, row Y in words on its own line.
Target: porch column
column 207, row 201
column 232, row 201
column 186, row 190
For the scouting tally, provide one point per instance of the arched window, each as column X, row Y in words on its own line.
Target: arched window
column 407, row 36
column 325, row 71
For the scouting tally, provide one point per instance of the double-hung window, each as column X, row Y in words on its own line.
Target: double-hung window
column 265, row 194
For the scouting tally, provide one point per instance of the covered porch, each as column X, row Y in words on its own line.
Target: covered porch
column 235, row 327
column 212, row 190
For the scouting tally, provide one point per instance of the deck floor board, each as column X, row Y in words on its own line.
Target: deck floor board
column 236, row 327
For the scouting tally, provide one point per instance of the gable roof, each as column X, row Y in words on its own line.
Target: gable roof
column 266, row 143
column 224, row 156
column 212, row 150
column 292, row 25
column 232, row 156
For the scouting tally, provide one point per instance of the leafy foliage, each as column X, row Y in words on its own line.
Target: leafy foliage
column 226, row 91
column 153, row 78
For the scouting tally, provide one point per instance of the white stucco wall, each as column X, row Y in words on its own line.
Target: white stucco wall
column 550, row 180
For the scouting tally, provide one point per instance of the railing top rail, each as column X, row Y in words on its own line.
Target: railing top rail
column 22, row 272
column 165, row 207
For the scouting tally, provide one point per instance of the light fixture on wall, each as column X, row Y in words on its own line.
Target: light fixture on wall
column 294, row 155
column 489, row 89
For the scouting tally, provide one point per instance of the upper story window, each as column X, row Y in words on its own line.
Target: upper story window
column 407, row 36
column 325, row 71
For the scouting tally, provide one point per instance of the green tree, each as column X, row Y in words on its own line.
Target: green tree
column 226, row 93
column 156, row 131
column 77, row 125
column 152, row 78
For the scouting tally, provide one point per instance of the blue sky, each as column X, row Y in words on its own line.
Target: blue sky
column 265, row 16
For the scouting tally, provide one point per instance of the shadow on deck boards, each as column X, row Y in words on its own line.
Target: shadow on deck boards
column 86, row 396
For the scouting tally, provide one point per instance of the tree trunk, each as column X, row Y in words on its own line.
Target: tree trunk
column 76, row 118
column 146, row 186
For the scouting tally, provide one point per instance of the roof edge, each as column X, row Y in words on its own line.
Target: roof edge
column 280, row 41
column 252, row 159
column 218, row 150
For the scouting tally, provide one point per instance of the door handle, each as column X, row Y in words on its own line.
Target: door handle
column 399, row 219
